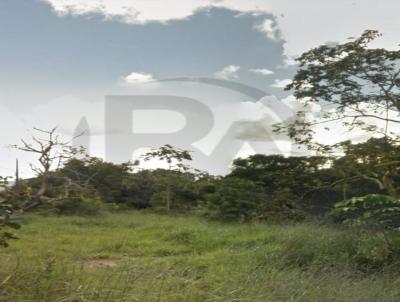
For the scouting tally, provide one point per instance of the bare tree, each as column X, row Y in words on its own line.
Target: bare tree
column 52, row 152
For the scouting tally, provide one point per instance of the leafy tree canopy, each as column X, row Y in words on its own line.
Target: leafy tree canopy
column 353, row 84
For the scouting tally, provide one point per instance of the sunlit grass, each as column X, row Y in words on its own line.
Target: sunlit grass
column 138, row 256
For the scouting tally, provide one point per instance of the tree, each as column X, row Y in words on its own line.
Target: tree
column 377, row 160
column 285, row 179
column 175, row 159
column 138, row 189
column 353, row 84
column 276, row 172
column 372, row 210
column 241, row 200
column 52, row 153
column 105, row 177
column 359, row 87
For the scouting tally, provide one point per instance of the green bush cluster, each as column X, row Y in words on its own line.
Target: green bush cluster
column 241, row 200
column 373, row 210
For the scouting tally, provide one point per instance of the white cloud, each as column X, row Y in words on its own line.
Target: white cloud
column 130, row 11
column 262, row 71
column 228, row 72
column 281, row 83
column 269, row 28
column 303, row 24
column 137, row 78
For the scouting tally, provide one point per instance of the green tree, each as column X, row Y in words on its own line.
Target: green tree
column 358, row 86
column 376, row 160
column 285, row 179
column 352, row 83
column 372, row 210
column 235, row 199
column 276, row 172
column 241, row 200
column 175, row 159
column 105, row 177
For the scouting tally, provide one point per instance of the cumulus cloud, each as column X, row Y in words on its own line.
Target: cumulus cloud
column 269, row 27
column 135, row 12
column 281, row 83
column 228, row 72
column 294, row 17
column 262, row 71
column 138, row 78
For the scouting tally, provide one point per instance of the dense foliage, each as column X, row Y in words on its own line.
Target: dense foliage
column 241, row 200
column 373, row 210
column 260, row 187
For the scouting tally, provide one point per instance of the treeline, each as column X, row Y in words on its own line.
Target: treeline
column 261, row 187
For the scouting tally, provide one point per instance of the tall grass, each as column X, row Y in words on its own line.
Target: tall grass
column 138, row 256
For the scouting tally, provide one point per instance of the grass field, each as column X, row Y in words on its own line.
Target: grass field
column 137, row 256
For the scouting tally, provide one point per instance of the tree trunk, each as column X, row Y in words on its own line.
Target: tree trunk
column 168, row 197
column 43, row 188
column 389, row 186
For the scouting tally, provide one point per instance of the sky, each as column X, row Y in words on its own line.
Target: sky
column 201, row 74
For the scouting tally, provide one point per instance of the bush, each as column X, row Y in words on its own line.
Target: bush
column 10, row 200
column 241, row 200
column 87, row 202
column 373, row 210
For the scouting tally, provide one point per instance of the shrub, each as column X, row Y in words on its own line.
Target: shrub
column 237, row 199
column 10, row 200
column 87, row 202
column 373, row 210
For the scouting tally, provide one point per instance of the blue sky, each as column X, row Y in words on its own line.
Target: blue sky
column 79, row 54
column 60, row 58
